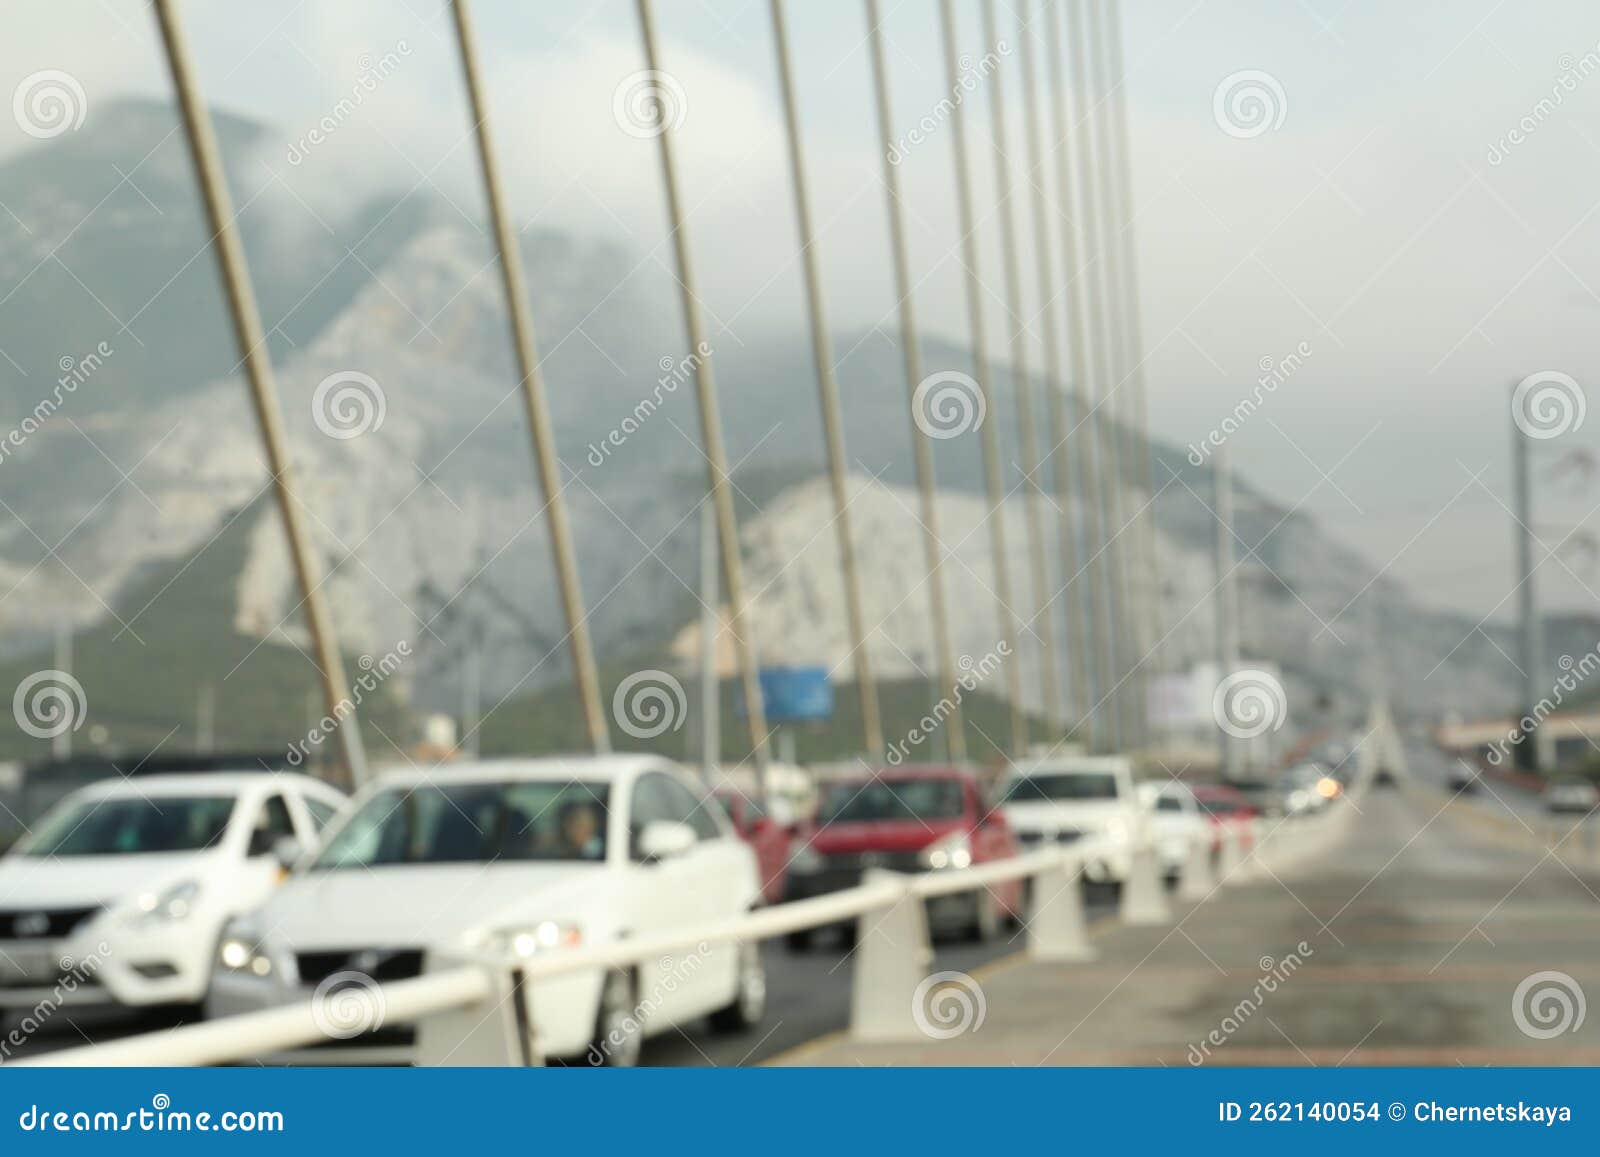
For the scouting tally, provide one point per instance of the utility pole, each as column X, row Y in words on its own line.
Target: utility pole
column 1531, row 649
column 61, row 741
column 205, row 719
column 1227, row 598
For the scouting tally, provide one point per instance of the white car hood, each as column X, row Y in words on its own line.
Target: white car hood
column 1083, row 815
column 401, row 906
column 29, row 882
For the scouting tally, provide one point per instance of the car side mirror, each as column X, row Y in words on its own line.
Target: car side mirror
column 287, row 851
column 664, row 839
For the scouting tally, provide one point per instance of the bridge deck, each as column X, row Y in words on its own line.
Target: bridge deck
column 1418, row 930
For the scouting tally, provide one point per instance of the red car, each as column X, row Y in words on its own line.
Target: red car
column 907, row 819
column 1226, row 805
column 767, row 838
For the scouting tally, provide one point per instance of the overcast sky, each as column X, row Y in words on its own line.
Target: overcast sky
column 1389, row 222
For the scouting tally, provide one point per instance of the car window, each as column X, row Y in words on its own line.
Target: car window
column 1064, row 785
column 658, row 797
column 1168, row 803
column 92, row 826
column 321, row 811
column 272, row 824
column 473, row 822
column 899, row 799
column 701, row 816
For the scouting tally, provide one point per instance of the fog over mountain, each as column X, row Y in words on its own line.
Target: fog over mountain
column 429, row 519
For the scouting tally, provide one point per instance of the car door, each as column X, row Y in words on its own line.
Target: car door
column 719, row 870
column 992, row 840
column 662, row 900
column 266, row 821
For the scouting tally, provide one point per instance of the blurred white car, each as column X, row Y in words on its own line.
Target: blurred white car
column 1571, row 795
column 1176, row 823
column 512, row 858
column 1061, row 800
column 120, row 894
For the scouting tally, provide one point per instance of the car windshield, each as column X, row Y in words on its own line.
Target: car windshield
column 1168, row 803
column 473, row 823
column 1073, row 785
column 903, row 799
column 1220, row 805
column 134, row 826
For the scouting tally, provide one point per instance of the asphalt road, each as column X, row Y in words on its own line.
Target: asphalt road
column 1431, row 934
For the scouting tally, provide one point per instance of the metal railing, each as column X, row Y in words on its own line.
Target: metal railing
column 470, row 1008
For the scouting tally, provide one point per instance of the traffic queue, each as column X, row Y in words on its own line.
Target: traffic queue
column 228, row 892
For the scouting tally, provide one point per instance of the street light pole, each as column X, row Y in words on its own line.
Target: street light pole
column 1531, row 633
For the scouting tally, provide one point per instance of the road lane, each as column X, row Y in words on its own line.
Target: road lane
column 1412, row 942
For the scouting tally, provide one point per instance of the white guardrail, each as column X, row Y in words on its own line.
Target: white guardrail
column 470, row 1009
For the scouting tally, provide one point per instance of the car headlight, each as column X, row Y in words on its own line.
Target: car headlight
column 953, row 851
column 175, row 903
column 529, row 940
column 1118, row 831
column 807, row 861
column 242, row 951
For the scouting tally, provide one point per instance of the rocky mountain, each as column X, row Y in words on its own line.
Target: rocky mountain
column 407, row 428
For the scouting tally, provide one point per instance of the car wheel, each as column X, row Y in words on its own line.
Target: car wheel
column 750, row 1000
column 800, row 940
column 985, row 918
column 617, row 1032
